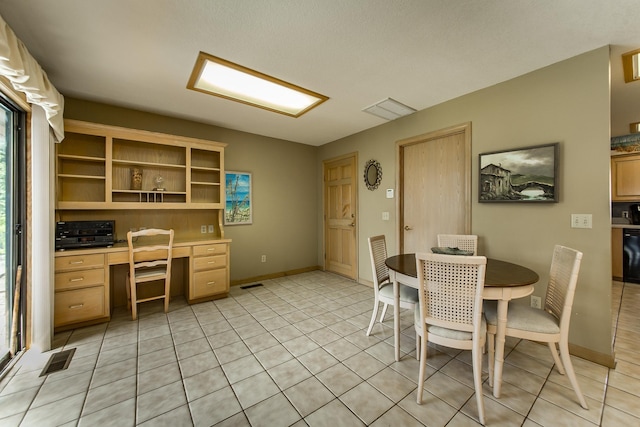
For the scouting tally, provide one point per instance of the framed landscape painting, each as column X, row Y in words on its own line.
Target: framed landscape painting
column 526, row 174
column 238, row 208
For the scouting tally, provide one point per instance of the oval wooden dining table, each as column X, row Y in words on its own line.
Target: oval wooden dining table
column 503, row 282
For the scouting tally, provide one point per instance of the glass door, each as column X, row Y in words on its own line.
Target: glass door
column 12, row 216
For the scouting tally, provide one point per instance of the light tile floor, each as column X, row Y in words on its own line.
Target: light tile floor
column 294, row 352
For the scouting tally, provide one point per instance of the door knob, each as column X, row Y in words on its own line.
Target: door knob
column 407, row 228
column 353, row 224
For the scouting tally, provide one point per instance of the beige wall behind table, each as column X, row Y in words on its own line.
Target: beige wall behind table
column 284, row 188
column 567, row 102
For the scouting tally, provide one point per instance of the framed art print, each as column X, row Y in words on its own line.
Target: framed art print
column 526, row 174
column 238, row 208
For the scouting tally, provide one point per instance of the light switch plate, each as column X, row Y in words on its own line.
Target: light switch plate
column 389, row 193
column 581, row 221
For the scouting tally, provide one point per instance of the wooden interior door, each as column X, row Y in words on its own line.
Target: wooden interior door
column 434, row 187
column 340, row 214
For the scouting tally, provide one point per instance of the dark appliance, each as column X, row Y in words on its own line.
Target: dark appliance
column 84, row 234
column 635, row 214
column 631, row 255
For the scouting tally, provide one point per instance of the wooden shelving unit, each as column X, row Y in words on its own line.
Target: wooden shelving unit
column 94, row 165
column 81, row 169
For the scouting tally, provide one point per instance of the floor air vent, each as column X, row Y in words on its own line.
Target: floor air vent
column 58, row 362
column 251, row 286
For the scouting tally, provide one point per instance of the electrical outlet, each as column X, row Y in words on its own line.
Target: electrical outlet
column 203, row 229
column 263, row 258
column 536, row 302
column 210, row 228
column 385, row 216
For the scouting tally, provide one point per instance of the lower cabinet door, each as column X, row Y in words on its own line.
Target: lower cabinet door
column 79, row 305
column 207, row 283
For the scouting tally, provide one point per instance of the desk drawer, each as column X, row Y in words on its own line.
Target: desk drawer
column 79, row 279
column 122, row 257
column 209, row 262
column 207, row 283
column 77, row 262
column 79, row 305
column 217, row 248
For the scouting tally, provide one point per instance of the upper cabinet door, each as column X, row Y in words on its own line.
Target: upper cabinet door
column 625, row 178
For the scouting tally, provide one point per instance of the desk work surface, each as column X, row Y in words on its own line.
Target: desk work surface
column 181, row 249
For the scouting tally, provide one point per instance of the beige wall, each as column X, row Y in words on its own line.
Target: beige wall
column 567, row 102
column 284, row 188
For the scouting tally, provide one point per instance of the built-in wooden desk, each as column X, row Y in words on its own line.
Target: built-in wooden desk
column 85, row 283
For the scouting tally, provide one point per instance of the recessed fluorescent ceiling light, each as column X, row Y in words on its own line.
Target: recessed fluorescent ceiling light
column 216, row 76
column 389, row 109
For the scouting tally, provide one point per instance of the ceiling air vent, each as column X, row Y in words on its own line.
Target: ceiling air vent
column 389, row 109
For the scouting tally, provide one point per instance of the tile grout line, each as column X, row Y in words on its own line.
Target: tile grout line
column 613, row 343
column 93, row 372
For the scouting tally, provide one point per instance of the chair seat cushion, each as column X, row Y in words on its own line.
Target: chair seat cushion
column 523, row 318
column 446, row 332
column 407, row 293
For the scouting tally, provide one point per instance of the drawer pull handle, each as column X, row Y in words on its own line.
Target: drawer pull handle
column 71, row 307
column 211, row 249
column 211, row 283
column 211, row 262
column 77, row 262
column 77, row 279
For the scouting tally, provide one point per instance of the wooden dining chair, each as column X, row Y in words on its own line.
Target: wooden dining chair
column 149, row 261
column 449, row 312
column 382, row 286
column 549, row 325
column 466, row 242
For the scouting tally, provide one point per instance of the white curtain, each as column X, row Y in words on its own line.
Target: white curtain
column 26, row 75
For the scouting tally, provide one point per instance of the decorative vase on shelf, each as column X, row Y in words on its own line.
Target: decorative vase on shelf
column 136, row 178
column 159, row 181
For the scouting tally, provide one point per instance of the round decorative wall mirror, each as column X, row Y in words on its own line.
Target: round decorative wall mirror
column 372, row 174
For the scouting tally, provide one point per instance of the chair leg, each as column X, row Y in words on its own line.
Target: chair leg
column 128, row 289
column 417, row 346
column 423, row 363
column 167, row 295
column 491, row 349
column 373, row 316
column 568, row 366
column 556, row 358
column 134, row 300
column 384, row 312
column 476, row 354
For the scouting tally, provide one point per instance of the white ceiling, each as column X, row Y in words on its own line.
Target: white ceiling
column 140, row 54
